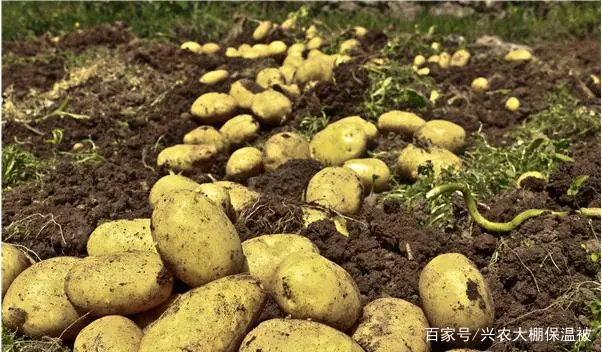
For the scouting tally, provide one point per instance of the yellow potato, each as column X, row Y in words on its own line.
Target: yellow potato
column 480, row 85
column 288, row 24
column 369, row 128
column 146, row 318
column 336, row 188
column 206, row 135
column 211, row 48
column 219, row 196
column 315, row 69
column 282, row 147
column 434, row 96
column 243, row 92
column 524, row 176
column 244, row 48
column 433, row 59
column 373, row 173
column 359, row 31
column 214, row 108
column 459, row 58
column 348, row 45
column 262, row 30
column 293, row 60
column 262, row 50
column 411, row 158
column 315, row 43
column 240, row 196
column 444, row 60
column 288, row 73
column 290, row 90
column 443, row 134
column 436, row 46
column 272, row 107
column 400, row 122
column 512, row 104
column 13, row 263
column 518, row 55
column 240, row 129
column 167, row 184
column 296, row 49
column 269, row 77
column 214, row 77
column 338, row 143
column 311, row 215
column 121, row 236
column 311, row 31
column 423, row 71
column 192, row 46
column 232, row 52
column 110, row 333
column 419, row 60
column 277, row 47
column 244, row 163
column 187, row 157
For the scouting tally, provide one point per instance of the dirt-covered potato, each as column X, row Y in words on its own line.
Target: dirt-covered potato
column 147, row 317
column 195, row 238
column 295, row 335
column 277, row 47
column 213, row 317
column 387, row 324
column 288, row 73
column 214, row 77
column 348, row 45
column 240, row 129
column 411, row 158
column 240, row 196
column 214, row 108
column 272, row 107
column 192, row 46
column 318, row 68
column 518, row 55
column 282, row 147
column 219, row 196
column 292, row 91
column 170, row 183
column 336, row 188
column 211, row 48
column 311, row 215
column 309, row 286
column 444, row 60
column 243, row 91
column 13, row 263
column 35, row 303
column 110, row 333
column 244, row 163
column 373, row 173
column 400, row 122
column 264, row 254
column 454, row 294
column 120, row 283
column 187, row 157
column 459, row 58
column 369, row 128
column 526, row 175
column 338, row 143
column 269, row 77
column 121, row 236
column 206, row 135
column 479, row 85
column 262, row 30
column 512, row 104
column 443, row 134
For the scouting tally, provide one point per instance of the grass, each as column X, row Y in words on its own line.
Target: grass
column 19, row 166
column 13, row 342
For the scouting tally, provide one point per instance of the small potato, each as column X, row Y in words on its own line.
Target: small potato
column 110, row 333
column 311, row 31
column 269, row 77
column 240, row 196
column 443, row 134
column 518, row 55
column 232, row 52
column 214, row 77
column 262, row 50
column 411, row 158
column 219, row 196
column 444, row 60
column 315, row 69
column 315, row 43
column 187, row 157
column 436, row 46
column 213, row 317
column 434, row 59
column 282, row 147
column 121, row 236
column 338, row 143
column 120, row 283
column 389, row 323
column 295, row 335
column 526, row 175
column 244, row 48
column 240, row 129
column 214, row 108
column 288, row 24
column 243, row 91
column 146, row 318
column 206, row 135
column 423, row 71
column 400, row 122
column 459, row 58
column 288, row 73
column 480, row 85
column 337, row 188
column 434, row 96
column 373, row 173
column 244, row 163
column 348, row 45
column 211, row 48
column 264, row 254
column 309, row 286
column 277, row 47
column 311, row 215
column 272, row 107
column 419, row 60
column 192, row 46
column 167, row 184
column 293, row 60
column 292, row 91
column 296, row 49
column 262, row 30
column 13, row 263
column 369, row 127
column 359, row 31
column 512, row 104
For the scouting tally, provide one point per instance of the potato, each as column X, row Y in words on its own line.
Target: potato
column 338, row 143
column 110, row 333
column 423, row 71
column 262, row 50
column 311, row 31
column 436, row 46
column 434, row 59
column 359, row 31
column 444, row 60
column 213, row 317
column 240, row 129
column 214, row 77
column 443, row 134
column 206, row 135
column 387, row 324
column 337, row 188
column 211, row 48
column 317, row 68
column 168, row 184
column 512, row 104
column 243, row 91
column 264, row 254
column 459, row 58
column 192, row 46
column 419, row 60
column 240, row 196
column 121, row 236
column 479, row 85
column 518, row 55
column 373, row 173
column 411, row 158
column 36, row 304
column 293, row 60
column 400, row 122
column 269, row 77
column 262, row 30
column 214, row 108
column 454, row 294
column 528, row 174
column 277, row 47
column 434, row 97
column 120, row 283
column 292, row 91
column 146, row 318
column 187, row 157
column 348, row 45
column 315, row 43
column 232, row 52
column 294, row 335
column 369, row 128
column 13, row 263
column 219, row 196
column 309, row 286
column 311, row 215
column 288, row 24
column 244, row 163
column 296, row 49
column 272, row 107
column 282, row 147
column 244, row 47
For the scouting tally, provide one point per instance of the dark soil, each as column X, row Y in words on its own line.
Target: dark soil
column 35, row 75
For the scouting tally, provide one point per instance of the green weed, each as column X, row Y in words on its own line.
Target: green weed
column 312, row 124
column 19, row 166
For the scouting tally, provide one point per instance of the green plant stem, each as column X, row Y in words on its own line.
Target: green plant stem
column 503, row 226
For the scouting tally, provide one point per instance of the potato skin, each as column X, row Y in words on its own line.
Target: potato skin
column 36, row 304
column 213, row 317
column 337, row 188
column 307, row 285
column 374, row 173
column 272, row 107
column 244, row 163
column 243, row 92
column 293, row 335
column 187, row 157
column 369, row 128
column 240, row 196
column 392, row 325
column 213, row 108
column 195, row 238
column 269, row 77
column 219, row 196
column 13, row 263
column 170, row 183
column 443, row 134
column 338, row 143
column 240, row 129
column 110, row 333
column 121, row 236
column 317, row 68
column 282, row 147
column 206, row 135
column 121, row 283
column 400, row 122
column 147, row 317
column 411, row 158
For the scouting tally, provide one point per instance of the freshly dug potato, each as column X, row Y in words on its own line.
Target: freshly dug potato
column 295, row 335
column 348, row 45
column 244, row 163
column 288, row 24
column 518, row 55
column 269, row 77
column 411, row 158
column 242, row 48
column 147, row 317
column 311, row 31
column 434, row 97
column 296, row 49
column 214, row 108
column 318, row 68
column 434, row 59
column 400, row 122
column 262, row 50
column 454, row 294
column 240, row 196
column 168, row 184
column 526, row 175
column 277, row 47
column 219, row 196
column 512, row 104
column 120, row 283
column 387, row 324
column 213, row 317
column 264, row 254
column 459, row 58
column 444, row 60
column 195, row 238
column 121, row 236
column 436, row 46
column 338, row 143
column 192, row 46
column 373, row 173
column 187, row 157
column 282, row 147
column 262, row 30
column 211, row 48
column 309, row 286
column 369, row 127
column 443, row 134
column 13, row 263
column 214, row 77
column 359, row 31
column 272, row 107
column 292, row 91
column 479, row 85
column 419, row 60
column 288, row 73
column 232, row 52
column 337, row 188
column 423, row 71
column 36, row 304
column 206, row 135
column 110, row 333
column 240, row 129
column 315, row 43
column 311, row 215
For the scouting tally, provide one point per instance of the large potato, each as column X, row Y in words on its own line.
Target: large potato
column 269, row 77
column 219, row 196
column 240, row 129
column 336, row 144
column 337, row 188
column 411, row 158
column 400, row 122
column 214, row 108
column 374, row 173
column 121, row 283
column 272, row 107
column 282, row 147
column 110, row 333
column 195, row 238
column 240, row 196
column 206, row 135
column 147, row 317
column 277, row 48
column 187, row 157
column 264, row 253
column 443, row 134
column 13, row 263
column 121, row 236
column 36, row 304
column 214, row 317
column 392, row 325
column 293, row 335
column 318, row 68
column 244, row 163
column 167, row 184
column 243, row 92
column 368, row 127
column 307, row 285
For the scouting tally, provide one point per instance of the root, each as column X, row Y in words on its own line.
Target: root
column 22, row 226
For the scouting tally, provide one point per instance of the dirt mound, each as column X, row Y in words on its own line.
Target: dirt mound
column 38, row 74
column 102, row 34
